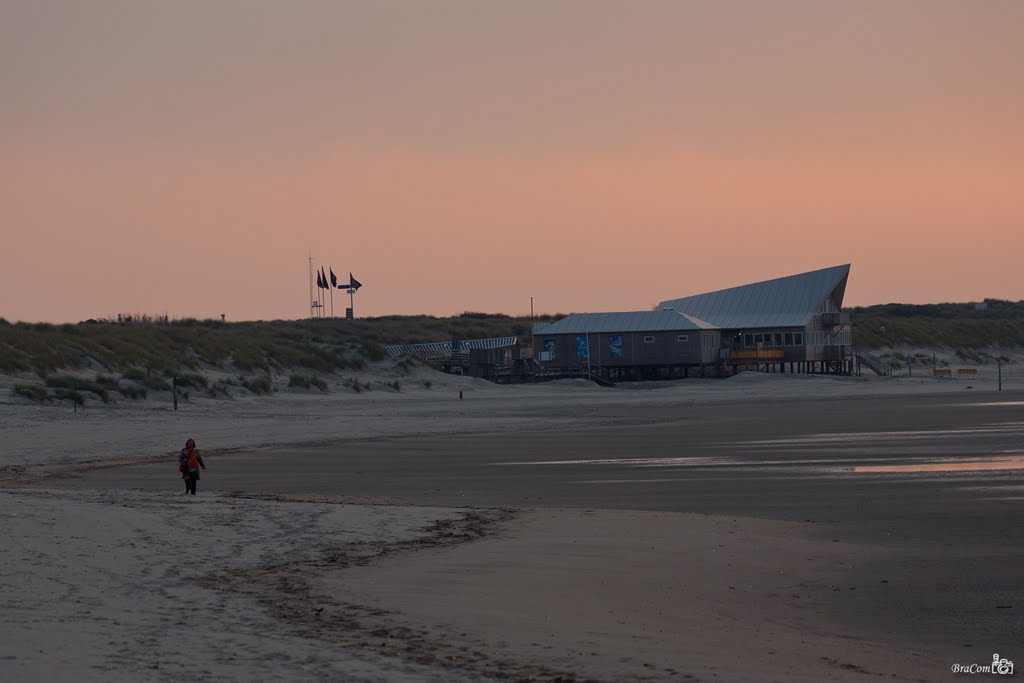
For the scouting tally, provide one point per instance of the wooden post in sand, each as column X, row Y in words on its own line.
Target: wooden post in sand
column 999, row 365
column 174, row 390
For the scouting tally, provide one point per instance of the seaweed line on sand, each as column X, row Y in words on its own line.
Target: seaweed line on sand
column 286, row 589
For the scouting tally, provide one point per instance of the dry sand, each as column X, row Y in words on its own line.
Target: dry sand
column 114, row 587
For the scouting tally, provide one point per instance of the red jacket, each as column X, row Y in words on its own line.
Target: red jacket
column 183, row 458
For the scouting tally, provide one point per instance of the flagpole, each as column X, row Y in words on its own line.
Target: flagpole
column 332, row 300
column 324, row 276
column 353, row 285
column 310, row 299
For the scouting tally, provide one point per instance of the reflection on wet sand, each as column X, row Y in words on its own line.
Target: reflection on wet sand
column 1010, row 462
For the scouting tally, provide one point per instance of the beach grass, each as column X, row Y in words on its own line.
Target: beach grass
column 258, row 385
column 132, row 358
column 153, row 350
column 966, row 328
column 307, row 382
column 33, row 392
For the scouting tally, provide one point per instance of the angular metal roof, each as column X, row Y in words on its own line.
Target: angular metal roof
column 633, row 321
column 783, row 302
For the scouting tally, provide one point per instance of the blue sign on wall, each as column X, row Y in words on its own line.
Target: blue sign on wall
column 615, row 345
column 582, row 350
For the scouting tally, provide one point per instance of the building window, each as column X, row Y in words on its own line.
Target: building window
column 777, row 339
column 798, row 339
column 649, row 339
column 748, row 341
column 682, row 338
column 789, row 339
column 549, row 352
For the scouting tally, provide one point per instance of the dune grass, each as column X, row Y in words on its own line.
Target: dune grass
column 33, row 392
column 147, row 379
column 259, row 385
column 155, row 351
column 132, row 359
column 956, row 326
column 67, row 385
column 307, row 382
column 355, row 385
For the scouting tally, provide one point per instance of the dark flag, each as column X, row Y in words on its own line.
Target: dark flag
column 334, row 278
column 353, row 283
column 323, row 277
column 319, row 282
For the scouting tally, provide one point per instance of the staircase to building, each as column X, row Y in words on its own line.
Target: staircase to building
column 871, row 361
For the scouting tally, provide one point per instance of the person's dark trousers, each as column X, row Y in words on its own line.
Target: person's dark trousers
column 191, row 484
column 188, row 486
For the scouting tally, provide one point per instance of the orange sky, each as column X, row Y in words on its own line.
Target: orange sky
column 184, row 157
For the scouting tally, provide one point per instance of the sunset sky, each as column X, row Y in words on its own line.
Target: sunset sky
column 184, row 157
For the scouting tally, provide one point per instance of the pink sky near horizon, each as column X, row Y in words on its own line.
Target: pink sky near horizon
column 184, row 158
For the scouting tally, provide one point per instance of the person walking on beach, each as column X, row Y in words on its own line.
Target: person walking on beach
column 189, row 462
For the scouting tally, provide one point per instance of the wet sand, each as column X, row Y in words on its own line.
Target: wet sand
column 637, row 596
column 676, row 540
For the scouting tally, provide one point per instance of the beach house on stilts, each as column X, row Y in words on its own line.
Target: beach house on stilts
column 788, row 324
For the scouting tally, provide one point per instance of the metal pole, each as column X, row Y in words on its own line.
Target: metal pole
column 588, row 357
column 311, row 309
column 533, row 339
column 352, row 301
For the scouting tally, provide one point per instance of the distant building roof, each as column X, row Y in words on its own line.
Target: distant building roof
column 634, row 321
column 782, row 302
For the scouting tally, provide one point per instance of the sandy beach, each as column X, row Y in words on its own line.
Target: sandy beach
column 308, row 556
